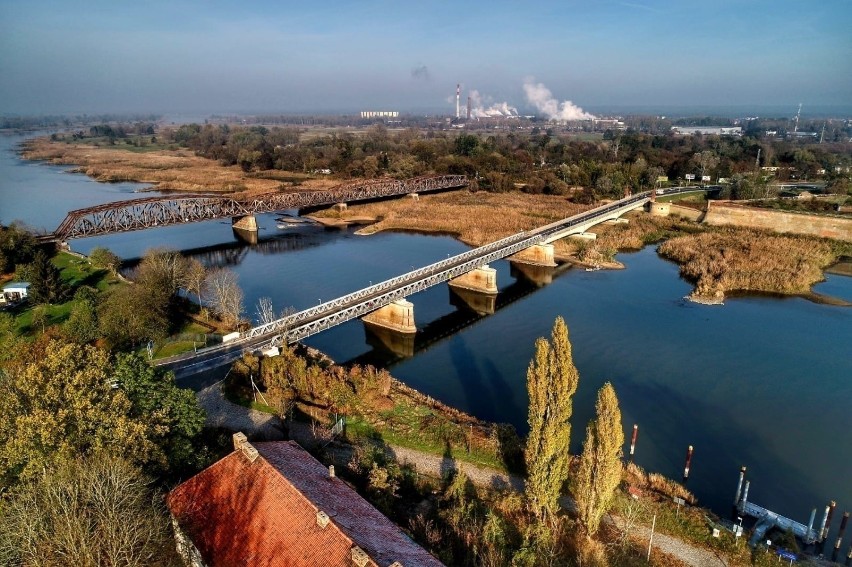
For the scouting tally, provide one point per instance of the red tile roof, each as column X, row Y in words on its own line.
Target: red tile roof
column 265, row 513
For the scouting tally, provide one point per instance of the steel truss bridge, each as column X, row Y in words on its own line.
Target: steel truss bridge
column 139, row 214
column 303, row 324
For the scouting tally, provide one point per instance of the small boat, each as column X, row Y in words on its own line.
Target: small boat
column 283, row 225
column 594, row 268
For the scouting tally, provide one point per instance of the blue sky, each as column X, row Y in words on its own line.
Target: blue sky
column 202, row 57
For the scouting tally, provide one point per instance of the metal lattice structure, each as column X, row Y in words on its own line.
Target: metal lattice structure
column 139, row 214
column 311, row 321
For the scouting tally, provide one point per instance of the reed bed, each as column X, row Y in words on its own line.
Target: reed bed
column 176, row 170
column 475, row 218
column 737, row 259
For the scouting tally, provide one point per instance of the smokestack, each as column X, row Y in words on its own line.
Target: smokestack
column 688, row 463
column 468, row 108
column 633, row 440
column 739, row 487
column 458, row 95
column 840, row 536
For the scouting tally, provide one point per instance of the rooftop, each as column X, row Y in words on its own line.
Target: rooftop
column 269, row 511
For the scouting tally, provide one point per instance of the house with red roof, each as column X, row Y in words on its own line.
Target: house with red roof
column 272, row 503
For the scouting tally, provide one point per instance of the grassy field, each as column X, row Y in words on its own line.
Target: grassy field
column 76, row 272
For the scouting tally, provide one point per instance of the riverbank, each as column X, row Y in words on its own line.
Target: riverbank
column 164, row 169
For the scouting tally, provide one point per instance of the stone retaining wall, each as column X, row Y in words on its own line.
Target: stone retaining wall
column 726, row 213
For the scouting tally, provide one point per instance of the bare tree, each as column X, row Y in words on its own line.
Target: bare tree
column 265, row 311
column 226, row 297
column 193, row 279
column 97, row 511
column 162, row 270
column 706, row 160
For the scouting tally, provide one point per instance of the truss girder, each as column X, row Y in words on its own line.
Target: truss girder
column 139, row 214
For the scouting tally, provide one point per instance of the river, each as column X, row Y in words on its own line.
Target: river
column 762, row 381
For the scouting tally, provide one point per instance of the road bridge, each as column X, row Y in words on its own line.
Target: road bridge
column 151, row 212
column 298, row 326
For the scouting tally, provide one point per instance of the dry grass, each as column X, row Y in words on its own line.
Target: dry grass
column 177, row 170
column 730, row 259
column 475, row 218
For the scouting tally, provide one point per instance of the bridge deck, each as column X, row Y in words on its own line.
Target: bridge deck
column 319, row 318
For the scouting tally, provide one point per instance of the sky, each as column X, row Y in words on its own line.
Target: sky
column 70, row 56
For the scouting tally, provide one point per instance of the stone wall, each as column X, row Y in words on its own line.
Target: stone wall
column 726, row 213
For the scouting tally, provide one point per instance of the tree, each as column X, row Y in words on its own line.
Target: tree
column 130, row 314
column 17, row 246
column 551, row 382
column 706, row 161
column 193, row 279
column 162, row 272
column 265, row 311
column 46, row 285
column 600, row 463
column 40, row 316
column 94, row 511
column 103, row 258
column 60, row 400
column 82, row 323
column 226, row 297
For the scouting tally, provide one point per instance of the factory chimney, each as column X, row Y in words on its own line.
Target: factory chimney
column 458, row 94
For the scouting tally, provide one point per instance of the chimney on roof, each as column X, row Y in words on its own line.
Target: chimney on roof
column 322, row 519
column 331, row 471
column 359, row 556
column 241, row 444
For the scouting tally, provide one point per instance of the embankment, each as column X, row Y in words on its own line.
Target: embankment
column 720, row 213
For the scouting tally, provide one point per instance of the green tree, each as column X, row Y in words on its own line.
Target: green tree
column 40, row 316
column 17, row 246
column 551, row 382
column 82, row 323
column 61, row 400
column 131, row 314
column 105, row 259
column 171, row 414
column 600, row 468
column 46, row 285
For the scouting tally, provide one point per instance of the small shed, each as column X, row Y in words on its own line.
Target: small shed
column 15, row 291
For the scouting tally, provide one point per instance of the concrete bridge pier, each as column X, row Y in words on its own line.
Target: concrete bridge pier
column 245, row 228
column 393, row 327
column 537, row 255
column 475, row 290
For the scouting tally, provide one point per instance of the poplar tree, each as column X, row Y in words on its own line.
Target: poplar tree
column 600, row 463
column 551, row 382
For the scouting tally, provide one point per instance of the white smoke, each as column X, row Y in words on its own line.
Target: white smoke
column 493, row 110
column 540, row 97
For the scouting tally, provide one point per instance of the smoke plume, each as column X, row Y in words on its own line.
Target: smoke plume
column 420, row 72
column 542, row 99
column 493, row 110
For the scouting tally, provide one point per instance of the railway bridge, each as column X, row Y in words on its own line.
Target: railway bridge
column 384, row 303
column 151, row 212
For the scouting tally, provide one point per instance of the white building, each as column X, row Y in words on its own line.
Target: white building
column 15, row 291
column 708, row 130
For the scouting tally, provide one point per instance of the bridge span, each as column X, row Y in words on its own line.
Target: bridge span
column 150, row 212
column 298, row 326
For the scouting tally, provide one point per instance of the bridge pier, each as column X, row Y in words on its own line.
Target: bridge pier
column 537, row 255
column 393, row 327
column 340, row 207
column 483, row 279
column 247, row 223
column 397, row 316
column 413, row 196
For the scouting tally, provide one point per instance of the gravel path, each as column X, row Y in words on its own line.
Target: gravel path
column 223, row 413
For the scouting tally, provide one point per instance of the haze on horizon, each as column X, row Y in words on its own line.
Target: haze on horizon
column 229, row 57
